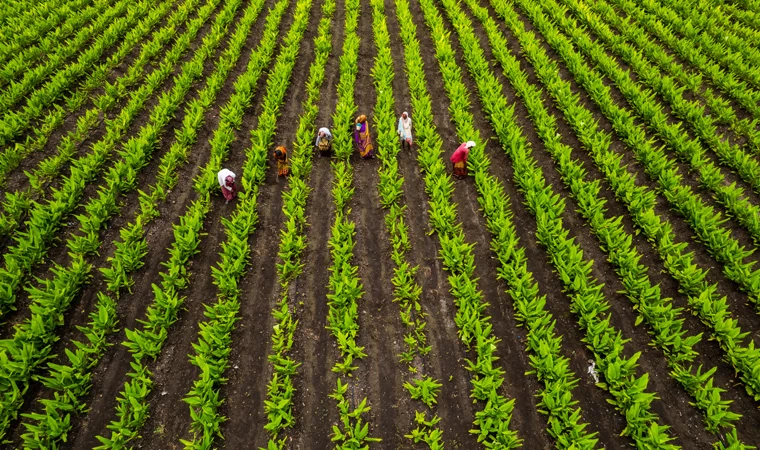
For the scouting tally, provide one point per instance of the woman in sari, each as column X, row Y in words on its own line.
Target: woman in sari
column 283, row 166
column 324, row 141
column 405, row 130
column 459, row 159
column 362, row 138
column 226, row 180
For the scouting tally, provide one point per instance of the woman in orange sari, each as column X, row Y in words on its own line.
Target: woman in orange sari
column 283, row 166
column 363, row 138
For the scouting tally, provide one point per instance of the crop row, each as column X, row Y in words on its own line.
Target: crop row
column 51, row 166
column 71, row 382
column 280, row 389
column 407, row 290
column 640, row 203
column 492, row 423
column 664, row 320
column 15, row 122
column 587, row 301
column 33, row 338
column 215, row 335
column 344, row 286
column 46, row 219
column 37, row 21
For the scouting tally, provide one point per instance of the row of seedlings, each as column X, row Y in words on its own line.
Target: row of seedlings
column 716, row 238
column 663, row 319
column 344, row 286
column 640, row 203
column 17, row 203
column 59, row 42
column 407, row 290
column 700, row 23
column 15, row 14
column 722, row 80
column 12, row 157
column 20, row 89
column 46, row 219
column 71, row 382
column 706, row 44
column 704, row 221
column 629, row 391
column 211, row 351
column 723, row 16
column 15, row 122
column 33, row 24
column 280, row 389
column 132, row 405
column 690, row 151
column 720, row 107
column 492, row 423
column 33, row 337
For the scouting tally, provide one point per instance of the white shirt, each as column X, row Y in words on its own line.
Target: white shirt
column 222, row 176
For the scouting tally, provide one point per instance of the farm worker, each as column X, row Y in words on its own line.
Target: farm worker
column 405, row 129
column 459, row 159
column 281, row 156
column 227, row 182
column 324, row 141
column 362, row 138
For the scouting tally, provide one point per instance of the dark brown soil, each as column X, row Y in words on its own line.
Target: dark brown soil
column 381, row 375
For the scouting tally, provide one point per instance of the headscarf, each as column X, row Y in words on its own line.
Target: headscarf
column 470, row 144
column 405, row 126
column 223, row 175
column 280, row 152
column 327, row 135
column 361, row 119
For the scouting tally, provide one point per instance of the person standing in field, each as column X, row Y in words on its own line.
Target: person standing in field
column 459, row 159
column 324, row 141
column 405, row 130
column 363, row 138
column 226, row 180
column 283, row 166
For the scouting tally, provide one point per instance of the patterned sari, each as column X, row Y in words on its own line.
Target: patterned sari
column 363, row 138
column 283, row 167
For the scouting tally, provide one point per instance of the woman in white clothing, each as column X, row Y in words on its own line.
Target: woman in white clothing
column 405, row 129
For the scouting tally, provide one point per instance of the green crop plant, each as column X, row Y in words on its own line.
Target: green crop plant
column 627, row 388
column 407, row 291
column 344, row 286
column 15, row 122
column 659, row 313
column 51, row 166
column 213, row 347
column 492, row 423
column 703, row 297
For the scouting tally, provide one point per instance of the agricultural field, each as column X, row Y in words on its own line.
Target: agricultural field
column 593, row 283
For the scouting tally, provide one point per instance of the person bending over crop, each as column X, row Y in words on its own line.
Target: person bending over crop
column 405, row 130
column 459, row 159
column 362, row 138
column 227, row 182
column 283, row 166
column 324, row 141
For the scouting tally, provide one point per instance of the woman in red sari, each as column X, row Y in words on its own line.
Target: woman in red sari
column 362, row 138
column 459, row 159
